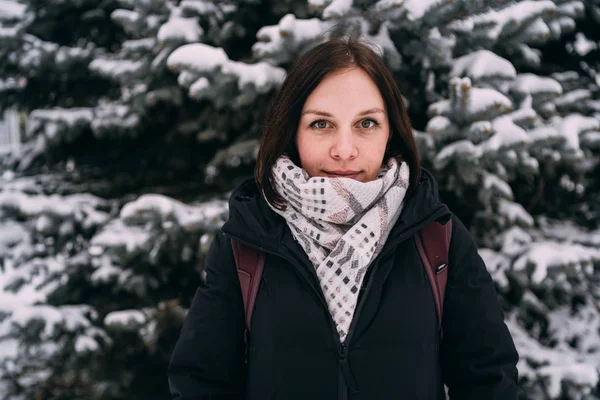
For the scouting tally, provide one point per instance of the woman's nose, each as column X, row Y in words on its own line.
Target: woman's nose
column 344, row 147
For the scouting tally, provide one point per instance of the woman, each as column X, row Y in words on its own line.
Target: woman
column 344, row 309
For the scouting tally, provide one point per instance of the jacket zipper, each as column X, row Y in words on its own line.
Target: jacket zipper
column 347, row 382
column 343, row 387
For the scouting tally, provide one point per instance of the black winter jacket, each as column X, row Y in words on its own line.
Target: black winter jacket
column 393, row 349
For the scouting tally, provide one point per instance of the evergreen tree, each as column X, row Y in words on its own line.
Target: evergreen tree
column 144, row 114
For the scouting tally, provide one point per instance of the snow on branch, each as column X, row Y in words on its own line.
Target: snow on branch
column 547, row 257
column 180, row 29
column 469, row 104
column 541, row 89
column 280, row 43
column 552, row 368
column 214, row 73
column 483, row 65
column 11, row 10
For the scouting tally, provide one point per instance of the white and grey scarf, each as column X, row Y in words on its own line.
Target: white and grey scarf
column 342, row 224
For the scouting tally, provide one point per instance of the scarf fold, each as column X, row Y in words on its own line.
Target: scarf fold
column 342, row 224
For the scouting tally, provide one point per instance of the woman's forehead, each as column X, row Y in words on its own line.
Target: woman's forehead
column 348, row 92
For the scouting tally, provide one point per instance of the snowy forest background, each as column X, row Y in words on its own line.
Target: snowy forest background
column 142, row 115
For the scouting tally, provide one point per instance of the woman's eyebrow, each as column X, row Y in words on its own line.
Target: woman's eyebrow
column 373, row 110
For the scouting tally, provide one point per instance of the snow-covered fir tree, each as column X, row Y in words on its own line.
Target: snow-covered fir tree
column 143, row 114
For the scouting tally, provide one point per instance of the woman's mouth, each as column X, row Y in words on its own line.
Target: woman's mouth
column 343, row 174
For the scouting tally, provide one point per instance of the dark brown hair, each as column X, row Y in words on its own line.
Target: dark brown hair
column 309, row 69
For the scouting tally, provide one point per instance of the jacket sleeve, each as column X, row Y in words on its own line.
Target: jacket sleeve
column 208, row 359
column 478, row 354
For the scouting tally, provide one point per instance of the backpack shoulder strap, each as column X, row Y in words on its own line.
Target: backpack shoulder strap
column 249, row 263
column 433, row 243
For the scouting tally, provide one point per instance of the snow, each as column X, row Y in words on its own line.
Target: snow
column 480, row 130
column 197, row 57
column 524, row 115
column 145, row 44
column 65, row 116
column 572, row 98
column 9, row 33
column 557, row 365
column 583, row 45
column 491, row 181
column 550, row 255
column 11, row 10
column 469, row 104
column 510, row 20
column 531, row 57
column 113, row 118
column 440, row 125
column 118, row 237
column 572, row 9
column 261, row 75
column 8, row 350
column 461, row 149
column 574, row 125
column 579, row 374
column 118, row 69
column 415, row 9
column 508, row 135
column 536, row 32
column 106, row 270
column 337, row 8
column 566, row 76
column 387, row 47
column 590, row 140
column 545, row 136
column 69, row 317
column 241, row 151
column 481, row 65
column 533, row 85
column 11, row 234
column 202, row 59
column 561, row 230
column 566, row 324
column 125, row 17
column 125, row 318
column 594, row 105
column 207, row 216
column 199, row 88
column 178, row 28
column 53, row 205
column 28, row 292
column 514, row 241
column 85, row 344
column 561, row 26
column 514, row 213
column 199, row 7
column 187, row 78
column 288, row 36
column 496, row 264
column 10, row 83
column 483, row 102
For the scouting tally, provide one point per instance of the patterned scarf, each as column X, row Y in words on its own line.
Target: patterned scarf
column 342, row 224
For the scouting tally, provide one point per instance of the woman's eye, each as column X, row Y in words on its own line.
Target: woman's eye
column 320, row 124
column 367, row 123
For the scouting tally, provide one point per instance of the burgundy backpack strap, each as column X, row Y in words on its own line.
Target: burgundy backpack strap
column 433, row 243
column 250, row 263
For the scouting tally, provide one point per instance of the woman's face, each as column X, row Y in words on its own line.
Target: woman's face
column 343, row 129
